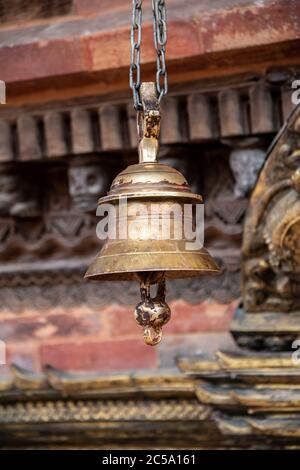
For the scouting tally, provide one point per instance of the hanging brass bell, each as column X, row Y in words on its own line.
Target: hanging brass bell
column 148, row 200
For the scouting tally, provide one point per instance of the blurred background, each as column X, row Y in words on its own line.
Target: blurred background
column 69, row 127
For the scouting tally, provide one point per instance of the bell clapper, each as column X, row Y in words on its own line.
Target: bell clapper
column 152, row 313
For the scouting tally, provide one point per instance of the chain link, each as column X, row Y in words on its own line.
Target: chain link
column 136, row 37
column 160, row 41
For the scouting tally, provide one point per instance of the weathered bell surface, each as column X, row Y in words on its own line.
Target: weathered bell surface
column 163, row 191
column 151, row 206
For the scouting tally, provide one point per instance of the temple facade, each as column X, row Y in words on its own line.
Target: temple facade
column 77, row 373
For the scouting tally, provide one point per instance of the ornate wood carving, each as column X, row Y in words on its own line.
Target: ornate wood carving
column 87, row 182
column 233, row 400
column 50, row 251
column 254, row 396
column 86, row 409
column 19, row 195
column 211, row 110
column 47, row 224
column 271, row 240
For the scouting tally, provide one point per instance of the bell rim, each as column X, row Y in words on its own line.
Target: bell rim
column 130, row 276
column 101, row 269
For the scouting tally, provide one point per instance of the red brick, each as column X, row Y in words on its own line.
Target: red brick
column 185, row 318
column 39, row 327
column 206, row 316
column 23, row 355
column 101, row 356
column 248, row 25
column 194, row 33
column 121, row 321
column 41, row 60
column 82, row 7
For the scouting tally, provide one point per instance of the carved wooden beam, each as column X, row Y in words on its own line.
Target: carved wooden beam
column 207, row 110
column 250, row 394
column 238, row 400
column 62, row 409
column 52, row 381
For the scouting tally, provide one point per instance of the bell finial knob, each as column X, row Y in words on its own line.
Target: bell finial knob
column 152, row 313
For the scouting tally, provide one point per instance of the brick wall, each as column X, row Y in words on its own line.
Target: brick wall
column 87, row 54
column 108, row 339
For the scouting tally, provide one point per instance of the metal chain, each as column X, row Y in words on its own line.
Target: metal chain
column 160, row 41
column 136, row 37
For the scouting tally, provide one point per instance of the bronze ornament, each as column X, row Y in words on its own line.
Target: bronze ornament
column 150, row 258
